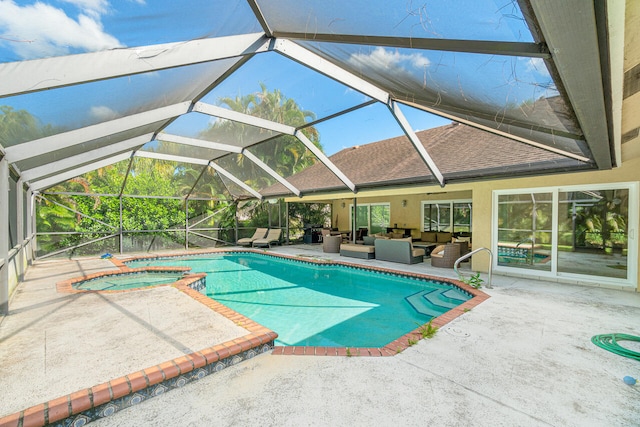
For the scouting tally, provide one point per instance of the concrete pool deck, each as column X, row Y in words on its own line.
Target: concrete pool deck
column 523, row 357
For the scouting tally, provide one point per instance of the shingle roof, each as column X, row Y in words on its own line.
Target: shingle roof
column 461, row 152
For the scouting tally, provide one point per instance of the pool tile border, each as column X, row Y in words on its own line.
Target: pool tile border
column 66, row 286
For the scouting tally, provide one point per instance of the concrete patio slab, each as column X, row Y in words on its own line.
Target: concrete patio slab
column 523, row 357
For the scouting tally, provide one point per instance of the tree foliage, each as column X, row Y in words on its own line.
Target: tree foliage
column 73, row 206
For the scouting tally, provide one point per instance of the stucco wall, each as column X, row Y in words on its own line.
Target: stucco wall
column 481, row 194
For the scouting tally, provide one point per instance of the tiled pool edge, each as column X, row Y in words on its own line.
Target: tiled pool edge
column 86, row 405
column 391, row 349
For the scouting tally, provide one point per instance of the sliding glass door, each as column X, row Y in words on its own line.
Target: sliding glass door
column 525, row 230
column 584, row 232
column 593, row 232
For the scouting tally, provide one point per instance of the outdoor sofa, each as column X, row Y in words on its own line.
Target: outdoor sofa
column 398, row 250
column 357, row 251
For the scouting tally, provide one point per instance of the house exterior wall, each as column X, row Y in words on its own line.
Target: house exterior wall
column 481, row 194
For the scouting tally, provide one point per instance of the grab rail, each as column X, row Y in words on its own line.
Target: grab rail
column 462, row 258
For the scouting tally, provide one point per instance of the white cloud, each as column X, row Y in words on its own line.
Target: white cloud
column 41, row 30
column 97, row 7
column 537, row 65
column 381, row 58
column 103, row 113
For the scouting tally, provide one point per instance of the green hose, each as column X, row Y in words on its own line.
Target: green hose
column 610, row 343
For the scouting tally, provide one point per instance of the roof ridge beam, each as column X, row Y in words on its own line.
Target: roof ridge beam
column 171, row 158
column 85, row 158
column 255, row 7
column 56, row 179
column 247, row 119
column 408, row 130
column 220, row 170
column 48, row 73
column 195, row 142
column 309, row 59
column 488, row 47
column 60, row 141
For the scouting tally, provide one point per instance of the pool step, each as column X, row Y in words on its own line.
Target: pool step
column 436, row 302
column 449, row 298
column 424, row 306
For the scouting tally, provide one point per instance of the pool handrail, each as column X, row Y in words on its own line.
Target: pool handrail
column 463, row 257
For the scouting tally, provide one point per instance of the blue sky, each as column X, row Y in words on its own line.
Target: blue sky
column 30, row 30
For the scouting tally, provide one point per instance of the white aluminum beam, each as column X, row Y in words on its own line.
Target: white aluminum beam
column 85, row 158
column 408, row 130
column 247, row 119
column 4, row 241
column 53, row 180
column 41, row 74
column 271, row 172
column 324, row 159
column 60, row 141
column 171, row 157
column 487, row 47
column 232, row 178
column 198, row 143
column 615, row 29
column 570, row 29
column 229, row 148
column 316, row 62
column 225, row 113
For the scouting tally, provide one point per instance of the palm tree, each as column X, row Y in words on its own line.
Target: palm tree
column 20, row 126
column 285, row 154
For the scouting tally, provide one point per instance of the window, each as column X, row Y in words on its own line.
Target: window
column 453, row 216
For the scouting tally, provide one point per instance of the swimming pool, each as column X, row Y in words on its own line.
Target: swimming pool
column 311, row 304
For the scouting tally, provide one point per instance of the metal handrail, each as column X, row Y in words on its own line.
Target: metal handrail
column 469, row 255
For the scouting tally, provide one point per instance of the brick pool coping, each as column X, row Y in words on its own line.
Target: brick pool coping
column 104, row 399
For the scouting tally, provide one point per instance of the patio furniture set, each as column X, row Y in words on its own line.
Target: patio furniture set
column 443, row 248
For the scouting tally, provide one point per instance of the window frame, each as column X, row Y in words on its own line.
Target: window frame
column 452, row 203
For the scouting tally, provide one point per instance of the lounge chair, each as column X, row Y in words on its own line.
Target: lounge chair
column 247, row 241
column 272, row 237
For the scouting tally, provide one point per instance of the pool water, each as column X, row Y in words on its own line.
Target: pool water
column 121, row 282
column 320, row 305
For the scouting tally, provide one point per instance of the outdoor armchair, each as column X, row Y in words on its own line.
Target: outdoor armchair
column 445, row 256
